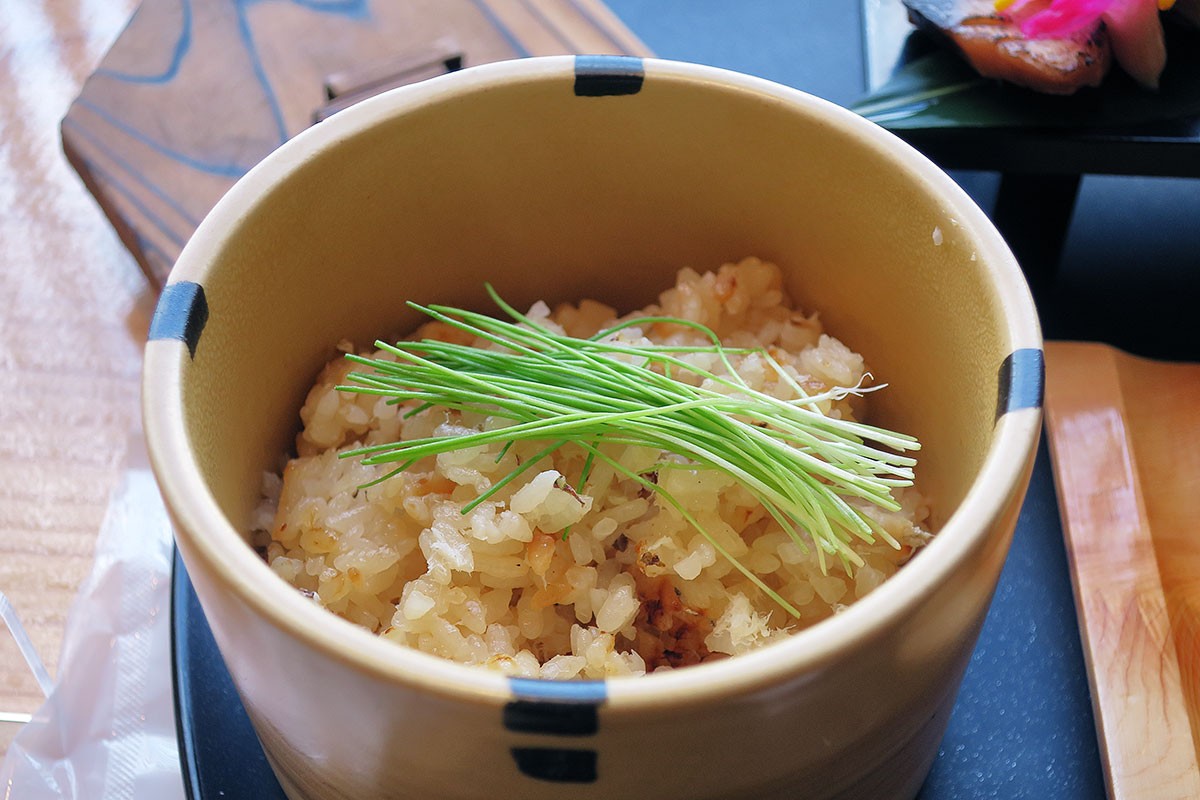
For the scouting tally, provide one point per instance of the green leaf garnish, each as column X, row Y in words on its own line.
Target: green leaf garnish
column 601, row 392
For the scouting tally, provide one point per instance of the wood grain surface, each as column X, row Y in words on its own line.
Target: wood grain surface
column 73, row 315
column 195, row 92
column 1125, row 440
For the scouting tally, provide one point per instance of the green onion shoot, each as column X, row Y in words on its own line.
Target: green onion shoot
column 800, row 463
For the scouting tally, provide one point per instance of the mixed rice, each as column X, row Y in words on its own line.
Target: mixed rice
column 633, row 587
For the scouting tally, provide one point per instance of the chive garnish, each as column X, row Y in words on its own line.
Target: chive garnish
column 601, row 392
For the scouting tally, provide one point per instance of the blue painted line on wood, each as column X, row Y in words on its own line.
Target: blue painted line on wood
column 98, row 143
column 556, row 31
column 260, row 74
column 115, row 184
column 503, row 29
column 150, row 250
column 182, row 45
column 351, row 9
column 227, row 170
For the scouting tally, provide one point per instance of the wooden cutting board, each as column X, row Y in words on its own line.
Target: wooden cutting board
column 195, row 92
column 1125, row 441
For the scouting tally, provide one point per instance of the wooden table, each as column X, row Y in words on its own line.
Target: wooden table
column 74, row 310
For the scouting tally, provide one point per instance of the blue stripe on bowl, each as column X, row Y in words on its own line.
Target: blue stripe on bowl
column 552, row 719
column 554, row 708
column 560, row 709
column 556, row 765
column 181, row 313
column 594, row 692
column 604, row 76
column 1022, row 381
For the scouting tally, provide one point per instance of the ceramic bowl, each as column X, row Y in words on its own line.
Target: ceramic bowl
column 563, row 178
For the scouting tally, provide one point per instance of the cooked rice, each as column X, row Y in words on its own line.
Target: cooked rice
column 633, row 587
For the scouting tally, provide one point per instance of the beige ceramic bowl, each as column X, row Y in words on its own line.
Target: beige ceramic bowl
column 565, row 178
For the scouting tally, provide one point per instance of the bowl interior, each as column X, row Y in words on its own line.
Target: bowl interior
column 427, row 193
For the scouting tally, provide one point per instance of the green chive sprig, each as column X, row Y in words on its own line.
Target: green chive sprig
column 800, row 463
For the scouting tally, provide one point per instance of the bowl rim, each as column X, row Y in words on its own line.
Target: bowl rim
column 223, row 551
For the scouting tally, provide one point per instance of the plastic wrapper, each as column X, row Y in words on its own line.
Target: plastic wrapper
column 107, row 728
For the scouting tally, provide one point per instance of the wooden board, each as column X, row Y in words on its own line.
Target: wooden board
column 195, row 92
column 1125, row 440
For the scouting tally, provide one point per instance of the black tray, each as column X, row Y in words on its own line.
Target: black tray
column 1022, row 727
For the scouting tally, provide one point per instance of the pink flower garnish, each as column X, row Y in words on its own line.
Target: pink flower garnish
column 1062, row 19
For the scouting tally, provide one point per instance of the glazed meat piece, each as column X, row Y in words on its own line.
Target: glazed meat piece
column 996, row 48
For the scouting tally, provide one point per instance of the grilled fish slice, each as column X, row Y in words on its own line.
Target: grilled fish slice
column 996, row 48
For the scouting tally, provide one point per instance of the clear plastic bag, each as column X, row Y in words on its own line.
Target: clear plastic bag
column 107, row 729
